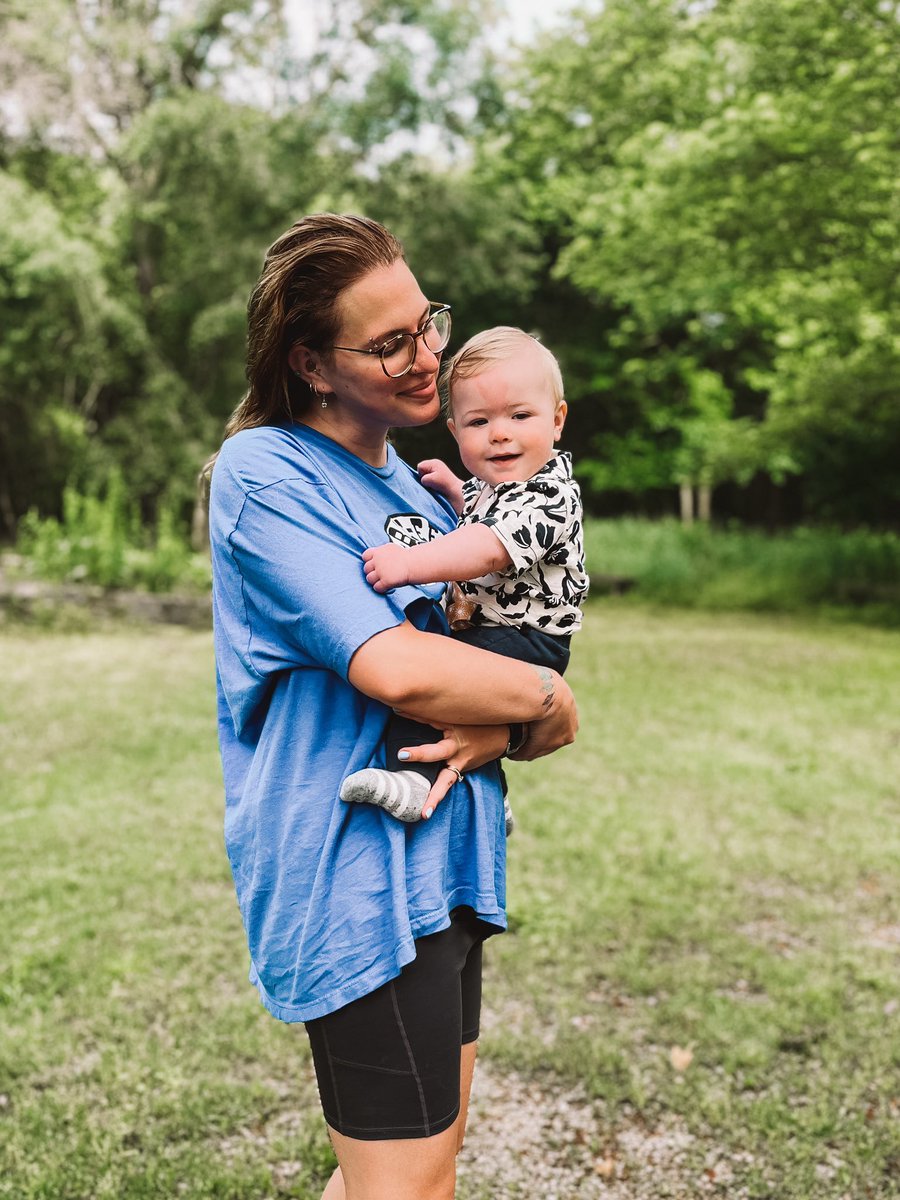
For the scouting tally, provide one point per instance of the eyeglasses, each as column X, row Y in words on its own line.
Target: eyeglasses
column 398, row 353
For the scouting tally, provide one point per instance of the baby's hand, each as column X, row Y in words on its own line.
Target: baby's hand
column 386, row 566
column 435, row 474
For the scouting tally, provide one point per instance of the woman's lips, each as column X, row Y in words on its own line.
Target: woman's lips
column 425, row 391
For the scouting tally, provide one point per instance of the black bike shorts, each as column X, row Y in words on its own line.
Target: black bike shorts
column 387, row 1064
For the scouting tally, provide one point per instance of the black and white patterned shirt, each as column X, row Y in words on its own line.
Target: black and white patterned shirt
column 539, row 522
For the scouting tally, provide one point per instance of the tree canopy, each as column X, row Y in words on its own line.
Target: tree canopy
column 695, row 205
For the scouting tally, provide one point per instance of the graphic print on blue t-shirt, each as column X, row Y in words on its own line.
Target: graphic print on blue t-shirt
column 410, row 529
column 332, row 895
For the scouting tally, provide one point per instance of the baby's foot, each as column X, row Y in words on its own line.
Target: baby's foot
column 507, row 812
column 401, row 793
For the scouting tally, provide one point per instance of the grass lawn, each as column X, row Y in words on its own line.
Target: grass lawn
column 704, row 902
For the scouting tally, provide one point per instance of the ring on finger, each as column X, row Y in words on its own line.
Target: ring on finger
column 457, row 772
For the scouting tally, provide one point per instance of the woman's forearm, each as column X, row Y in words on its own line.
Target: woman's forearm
column 444, row 681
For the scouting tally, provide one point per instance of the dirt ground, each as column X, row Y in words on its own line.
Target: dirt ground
column 529, row 1138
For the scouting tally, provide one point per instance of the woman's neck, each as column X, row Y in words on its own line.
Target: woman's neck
column 367, row 442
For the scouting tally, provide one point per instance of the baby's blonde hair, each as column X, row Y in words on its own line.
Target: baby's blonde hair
column 490, row 347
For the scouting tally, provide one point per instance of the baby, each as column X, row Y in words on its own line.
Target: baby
column 517, row 554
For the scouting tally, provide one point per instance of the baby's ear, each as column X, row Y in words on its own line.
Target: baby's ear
column 451, row 425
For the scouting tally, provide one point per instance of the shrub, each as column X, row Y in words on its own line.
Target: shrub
column 704, row 567
column 100, row 540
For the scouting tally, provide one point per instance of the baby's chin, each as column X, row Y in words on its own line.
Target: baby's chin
column 513, row 472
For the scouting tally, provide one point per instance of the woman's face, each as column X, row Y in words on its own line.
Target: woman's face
column 384, row 302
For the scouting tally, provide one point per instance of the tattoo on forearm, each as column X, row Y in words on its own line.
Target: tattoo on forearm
column 547, row 689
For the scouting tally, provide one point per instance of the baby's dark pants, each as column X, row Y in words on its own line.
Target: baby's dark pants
column 526, row 644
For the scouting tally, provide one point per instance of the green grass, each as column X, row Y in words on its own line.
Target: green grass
column 855, row 574
column 714, row 866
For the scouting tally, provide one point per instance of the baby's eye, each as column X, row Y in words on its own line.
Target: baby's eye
column 521, row 416
column 477, row 421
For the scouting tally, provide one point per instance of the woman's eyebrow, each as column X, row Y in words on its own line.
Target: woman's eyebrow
column 383, row 337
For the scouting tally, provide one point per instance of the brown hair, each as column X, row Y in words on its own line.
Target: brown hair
column 492, row 346
column 296, row 300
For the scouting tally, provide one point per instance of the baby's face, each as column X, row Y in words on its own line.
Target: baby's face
column 506, row 420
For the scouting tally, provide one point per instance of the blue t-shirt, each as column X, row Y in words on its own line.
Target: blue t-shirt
column 331, row 894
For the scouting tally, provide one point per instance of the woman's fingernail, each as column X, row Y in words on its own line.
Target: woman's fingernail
column 427, row 813
column 404, row 754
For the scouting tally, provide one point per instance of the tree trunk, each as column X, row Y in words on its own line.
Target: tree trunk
column 7, row 513
column 704, row 502
column 200, row 515
column 686, row 503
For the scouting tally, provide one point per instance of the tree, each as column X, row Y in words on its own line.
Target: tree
column 164, row 146
column 770, row 226
column 389, row 68
column 81, row 71
column 64, row 337
column 727, row 194
column 571, row 101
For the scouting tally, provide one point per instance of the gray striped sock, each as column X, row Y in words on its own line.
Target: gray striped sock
column 401, row 793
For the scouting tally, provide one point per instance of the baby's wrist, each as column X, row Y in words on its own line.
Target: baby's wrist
column 409, row 560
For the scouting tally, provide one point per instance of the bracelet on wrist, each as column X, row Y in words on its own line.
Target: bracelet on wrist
column 518, row 736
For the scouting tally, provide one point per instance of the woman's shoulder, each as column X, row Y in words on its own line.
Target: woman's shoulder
column 265, row 455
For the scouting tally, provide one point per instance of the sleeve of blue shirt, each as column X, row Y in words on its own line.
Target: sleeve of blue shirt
column 304, row 591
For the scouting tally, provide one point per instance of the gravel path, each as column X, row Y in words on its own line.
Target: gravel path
column 530, row 1139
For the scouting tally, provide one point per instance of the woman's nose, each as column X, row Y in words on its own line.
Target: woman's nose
column 426, row 360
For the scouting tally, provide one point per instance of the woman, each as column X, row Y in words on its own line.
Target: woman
column 366, row 929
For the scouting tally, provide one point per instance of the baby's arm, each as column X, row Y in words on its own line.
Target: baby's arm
column 435, row 474
column 467, row 553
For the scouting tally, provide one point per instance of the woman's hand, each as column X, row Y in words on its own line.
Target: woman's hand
column 465, row 747
column 462, row 748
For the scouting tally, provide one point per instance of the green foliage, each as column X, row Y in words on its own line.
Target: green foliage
column 694, row 205
column 203, row 198
column 735, row 569
column 100, row 540
column 725, row 177
column 136, row 222
column 396, row 67
column 63, row 335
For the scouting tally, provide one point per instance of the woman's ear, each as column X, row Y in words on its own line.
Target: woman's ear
column 304, row 362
